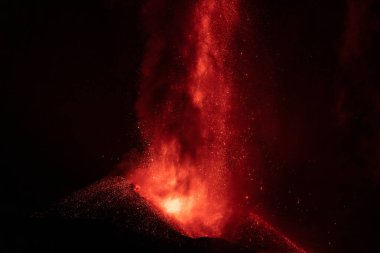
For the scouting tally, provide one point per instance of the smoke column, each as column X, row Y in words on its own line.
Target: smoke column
column 183, row 110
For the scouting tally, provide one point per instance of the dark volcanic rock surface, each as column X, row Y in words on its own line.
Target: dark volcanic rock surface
column 111, row 216
column 106, row 216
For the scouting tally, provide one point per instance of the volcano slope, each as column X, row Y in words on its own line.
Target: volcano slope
column 111, row 215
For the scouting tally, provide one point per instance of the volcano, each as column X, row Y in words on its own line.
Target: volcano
column 111, row 215
column 184, row 192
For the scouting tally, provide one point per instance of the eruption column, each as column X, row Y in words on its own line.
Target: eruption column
column 183, row 109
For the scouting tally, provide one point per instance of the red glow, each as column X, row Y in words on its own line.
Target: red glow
column 185, row 167
column 258, row 221
column 186, row 103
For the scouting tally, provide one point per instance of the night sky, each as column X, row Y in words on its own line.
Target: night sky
column 70, row 83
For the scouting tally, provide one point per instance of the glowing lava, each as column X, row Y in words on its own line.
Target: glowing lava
column 183, row 109
column 173, row 205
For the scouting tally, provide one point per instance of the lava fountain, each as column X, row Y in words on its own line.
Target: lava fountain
column 187, row 107
column 183, row 109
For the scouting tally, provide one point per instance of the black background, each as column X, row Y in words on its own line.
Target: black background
column 70, row 83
